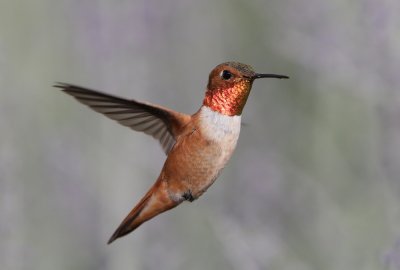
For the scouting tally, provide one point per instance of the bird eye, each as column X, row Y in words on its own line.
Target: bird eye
column 226, row 75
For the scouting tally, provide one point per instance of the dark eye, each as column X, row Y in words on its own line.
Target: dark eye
column 226, row 74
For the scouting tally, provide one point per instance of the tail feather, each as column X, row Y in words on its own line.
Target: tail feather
column 153, row 203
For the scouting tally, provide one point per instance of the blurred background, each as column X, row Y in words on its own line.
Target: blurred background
column 313, row 184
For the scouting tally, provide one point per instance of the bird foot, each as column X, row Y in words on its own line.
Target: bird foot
column 188, row 196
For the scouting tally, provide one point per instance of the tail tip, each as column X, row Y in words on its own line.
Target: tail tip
column 110, row 241
column 112, row 238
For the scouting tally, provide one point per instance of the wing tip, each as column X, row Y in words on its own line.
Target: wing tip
column 65, row 87
column 60, row 85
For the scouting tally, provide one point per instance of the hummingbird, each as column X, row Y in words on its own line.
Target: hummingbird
column 197, row 146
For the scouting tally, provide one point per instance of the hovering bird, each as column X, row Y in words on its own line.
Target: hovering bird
column 197, row 146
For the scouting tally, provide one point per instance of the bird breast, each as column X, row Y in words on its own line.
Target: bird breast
column 221, row 133
column 201, row 153
column 219, row 128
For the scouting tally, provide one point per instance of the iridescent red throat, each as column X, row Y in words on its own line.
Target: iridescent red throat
column 228, row 101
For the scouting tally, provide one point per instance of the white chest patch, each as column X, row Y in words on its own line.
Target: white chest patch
column 218, row 127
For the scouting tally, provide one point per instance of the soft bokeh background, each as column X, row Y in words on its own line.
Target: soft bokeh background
column 313, row 184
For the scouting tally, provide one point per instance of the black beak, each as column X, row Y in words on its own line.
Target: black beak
column 260, row 75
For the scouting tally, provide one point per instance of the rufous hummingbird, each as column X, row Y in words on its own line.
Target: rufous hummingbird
column 197, row 146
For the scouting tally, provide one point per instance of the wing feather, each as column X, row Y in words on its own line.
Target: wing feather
column 156, row 121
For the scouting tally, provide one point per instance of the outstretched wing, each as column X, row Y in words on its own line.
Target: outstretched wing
column 161, row 123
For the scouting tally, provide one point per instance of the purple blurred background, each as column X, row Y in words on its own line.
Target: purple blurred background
column 313, row 184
